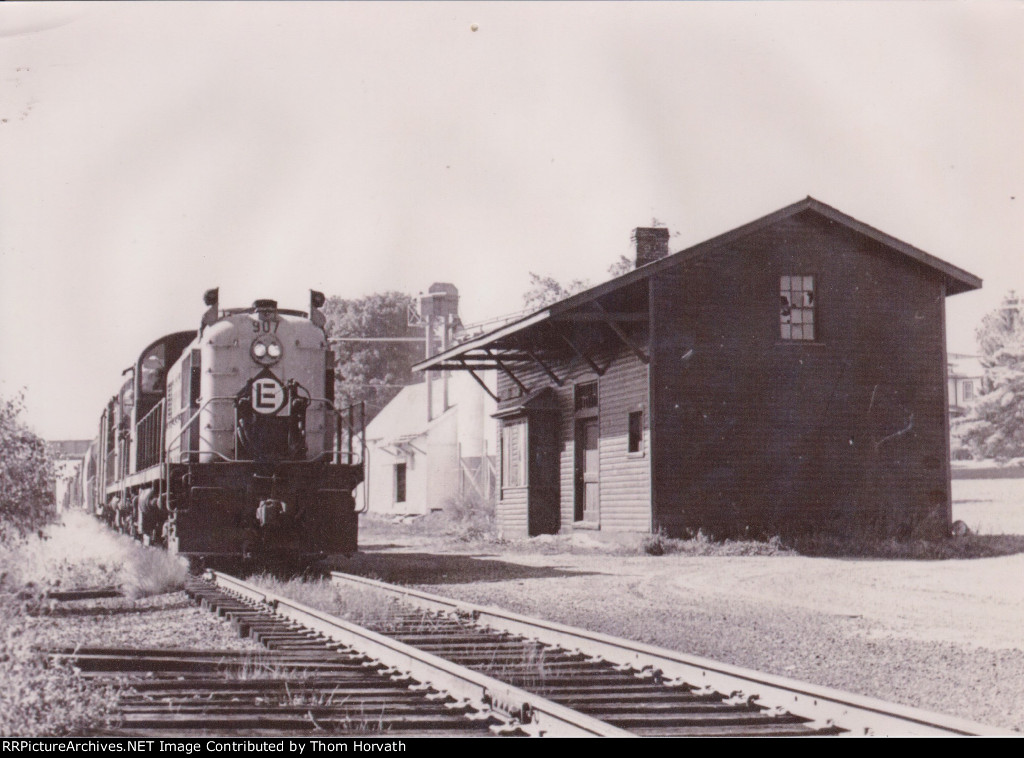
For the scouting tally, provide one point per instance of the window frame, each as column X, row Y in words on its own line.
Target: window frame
column 639, row 451
column 586, row 397
column 401, row 482
column 801, row 311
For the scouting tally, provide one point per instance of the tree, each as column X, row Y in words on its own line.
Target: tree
column 622, row 266
column 994, row 425
column 26, row 475
column 545, row 290
column 372, row 372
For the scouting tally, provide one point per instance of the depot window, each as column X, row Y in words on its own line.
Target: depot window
column 796, row 309
column 400, row 482
column 636, row 432
column 585, row 396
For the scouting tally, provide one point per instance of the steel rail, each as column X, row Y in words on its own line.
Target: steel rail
column 855, row 714
column 535, row 714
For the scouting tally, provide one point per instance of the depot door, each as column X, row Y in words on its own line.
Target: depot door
column 588, row 482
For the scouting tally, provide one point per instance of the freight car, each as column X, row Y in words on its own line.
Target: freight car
column 226, row 444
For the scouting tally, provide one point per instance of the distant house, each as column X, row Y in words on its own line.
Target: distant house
column 965, row 375
column 414, row 464
column 787, row 375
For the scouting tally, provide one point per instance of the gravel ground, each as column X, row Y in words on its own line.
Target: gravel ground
column 990, row 506
column 945, row 636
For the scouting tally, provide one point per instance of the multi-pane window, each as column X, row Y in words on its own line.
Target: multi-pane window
column 400, row 482
column 585, row 396
column 513, row 454
column 796, row 310
column 636, row 432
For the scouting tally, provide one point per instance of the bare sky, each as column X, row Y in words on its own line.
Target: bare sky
column 151, row 151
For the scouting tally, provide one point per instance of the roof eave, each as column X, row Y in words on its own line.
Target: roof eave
column 957, row 280
column 482, row 341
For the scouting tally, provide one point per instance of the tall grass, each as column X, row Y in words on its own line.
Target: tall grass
column 41, row 697
column 964, row 547
column 363, row 607
column 660, row 543
column 463, row 518
column 80, row 552
column 863, row 543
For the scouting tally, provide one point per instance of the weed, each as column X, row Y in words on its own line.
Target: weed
column 531, row 672
column 965, row 546
column 81, row 552
column 698, row 543
column 470, row 517
column 362, row 607
column 654, row 544
column 464, row 518
column 41, row 698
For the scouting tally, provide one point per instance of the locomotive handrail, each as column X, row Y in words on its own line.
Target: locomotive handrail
column 185, row 428
column 149, row 437
column 337, row 455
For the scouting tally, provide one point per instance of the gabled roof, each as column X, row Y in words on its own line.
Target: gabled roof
column 957, row 280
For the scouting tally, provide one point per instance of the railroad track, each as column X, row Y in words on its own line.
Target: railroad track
column 438, row 667
column 646, row 689
column 302, row 684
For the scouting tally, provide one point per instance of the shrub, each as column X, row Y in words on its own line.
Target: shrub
column 470, row 517
column 26, row 475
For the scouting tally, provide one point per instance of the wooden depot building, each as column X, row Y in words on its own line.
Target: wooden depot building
column 789, row 375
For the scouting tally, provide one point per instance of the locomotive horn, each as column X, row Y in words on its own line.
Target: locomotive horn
column 210, row 297
column 316, row 301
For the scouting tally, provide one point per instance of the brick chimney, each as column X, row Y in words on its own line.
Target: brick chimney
column 651, row 244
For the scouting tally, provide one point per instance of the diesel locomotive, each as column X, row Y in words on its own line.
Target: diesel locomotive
column 225, row 443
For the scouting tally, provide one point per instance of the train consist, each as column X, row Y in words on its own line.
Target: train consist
column 226, row 444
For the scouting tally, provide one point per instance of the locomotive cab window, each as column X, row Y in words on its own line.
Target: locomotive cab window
column 153, row 370
column 796, row 308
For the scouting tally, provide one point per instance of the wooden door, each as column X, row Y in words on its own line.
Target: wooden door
column 588, row 481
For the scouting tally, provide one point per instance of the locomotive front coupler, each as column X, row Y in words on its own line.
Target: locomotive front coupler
column 270, row 511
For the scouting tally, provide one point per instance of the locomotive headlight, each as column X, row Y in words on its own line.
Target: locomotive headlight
column 266, row 350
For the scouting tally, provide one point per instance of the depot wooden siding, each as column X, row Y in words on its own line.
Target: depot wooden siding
column 755, row 431
column 625, row 478
column 511, row 511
